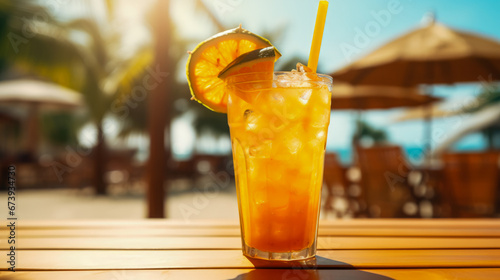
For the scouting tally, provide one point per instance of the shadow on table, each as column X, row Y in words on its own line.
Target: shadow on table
column 312, row 269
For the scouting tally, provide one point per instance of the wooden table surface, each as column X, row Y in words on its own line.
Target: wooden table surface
column 166, row 249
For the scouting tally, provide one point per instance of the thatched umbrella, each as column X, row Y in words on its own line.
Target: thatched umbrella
column 36, row 95
column 419, row 113
column 348, row 97
column 432, row 54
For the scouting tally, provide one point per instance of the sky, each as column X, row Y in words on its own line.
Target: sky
column 344, row 18
column 378, row 21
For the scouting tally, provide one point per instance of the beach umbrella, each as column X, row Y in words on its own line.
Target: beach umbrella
column 349, row 97
column 36, row 95
column 362, row 98
column 432, row 54
column 437, row 110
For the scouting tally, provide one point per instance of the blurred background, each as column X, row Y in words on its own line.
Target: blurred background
column 95, row 110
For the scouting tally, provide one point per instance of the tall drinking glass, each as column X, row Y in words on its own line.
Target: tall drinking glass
column 278, row 133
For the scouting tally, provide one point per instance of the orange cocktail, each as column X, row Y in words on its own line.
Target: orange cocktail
column 278, row 133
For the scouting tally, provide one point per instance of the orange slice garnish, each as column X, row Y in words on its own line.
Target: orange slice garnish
column 250, row 72
column 211, row 56
column 257, row 61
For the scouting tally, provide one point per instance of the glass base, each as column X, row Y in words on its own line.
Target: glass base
column 304, row 254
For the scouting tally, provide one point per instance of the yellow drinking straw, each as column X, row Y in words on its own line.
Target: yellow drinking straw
column 318, row 35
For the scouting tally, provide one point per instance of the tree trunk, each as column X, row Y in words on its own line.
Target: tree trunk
column 100, row 162
column 157, row 112
column 32, row 133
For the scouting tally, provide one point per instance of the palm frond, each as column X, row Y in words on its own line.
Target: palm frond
column 48, row 52
column 210, row 121
column 489, row 95
column 26, row 10
column 110, row 8
column 120, row 82
column 215, row 20
column 97, row 102
column 98, row 43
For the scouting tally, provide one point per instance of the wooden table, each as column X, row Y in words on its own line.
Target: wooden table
column 165, row 249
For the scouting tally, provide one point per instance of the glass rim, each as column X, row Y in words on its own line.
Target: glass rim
column 328, row 77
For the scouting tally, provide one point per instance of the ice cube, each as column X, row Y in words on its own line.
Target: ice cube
column 253, row 151
column 320, row 135
column 293, row 145
column 324, row 96
column 260, row 194
column 277, row 98
column 319, row 116
column 276, row 171
column 306, row 159
column 284, row 80
column 262, row 150
column 299, row 79
column 247, row 113
column 302, row 68
column 281, row 198
column 304, row 97
column 254, row 120
column 274, row 106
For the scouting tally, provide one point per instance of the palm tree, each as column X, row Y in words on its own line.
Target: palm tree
column 32, row 39
column 365, row 131
column 489, row 96
column 204, row 120
column 81, row 54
